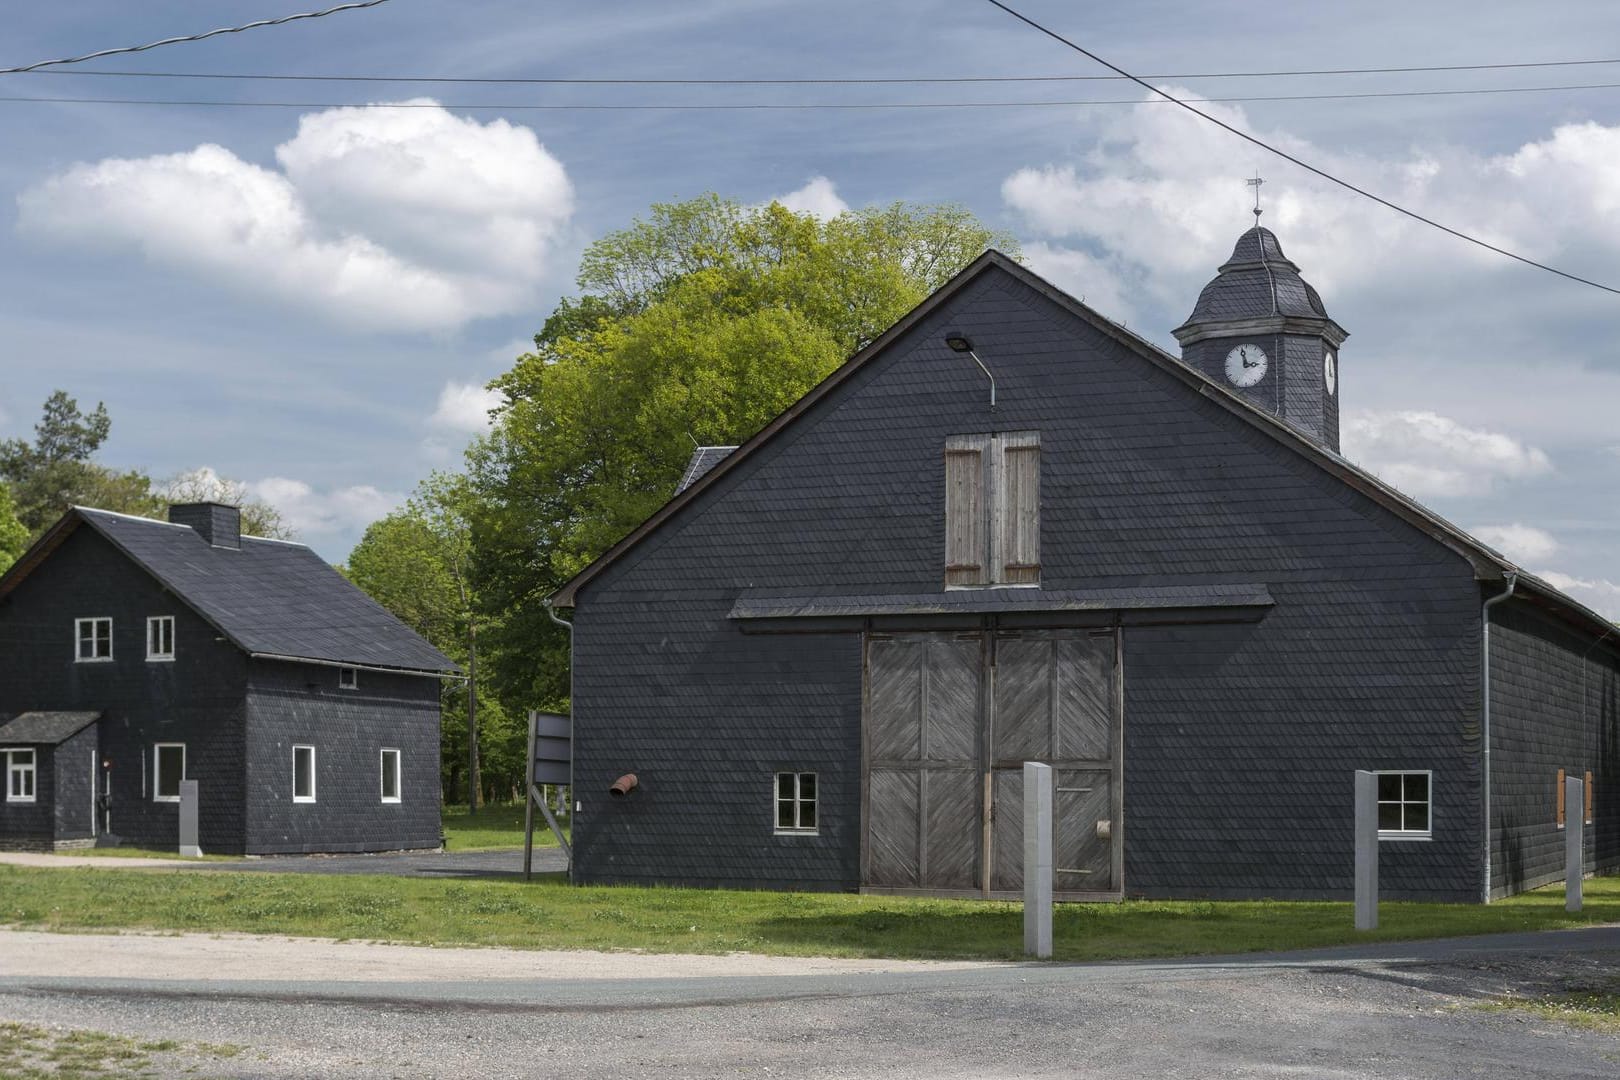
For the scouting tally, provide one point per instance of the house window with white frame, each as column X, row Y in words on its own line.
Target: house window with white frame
column 796, row 802
column 390, row 775
column 303, row 774
column 348, row 678
column 160, row 637
column 20, row 766
column 95, row 640
column 1404, row 802
column 168, row 769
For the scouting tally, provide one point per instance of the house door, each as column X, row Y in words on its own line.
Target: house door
column 950, row 719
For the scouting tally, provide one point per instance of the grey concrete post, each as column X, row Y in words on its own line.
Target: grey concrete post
column 188, row 820
column 1574, row 850
column 1037, row 860
column 1366, row 850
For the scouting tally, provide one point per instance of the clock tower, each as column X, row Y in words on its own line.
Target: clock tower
column 1261, row 331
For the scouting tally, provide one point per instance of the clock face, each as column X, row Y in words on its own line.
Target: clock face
column 1330, row 373
column 1246, row 365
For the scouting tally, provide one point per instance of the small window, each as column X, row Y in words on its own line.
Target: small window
column 95, row 639
column 993, row 509
column 19, row 775
column 160, row 637
column 390, row 775
column 168, row 769
column 1403, row 805
column 303, row 774
column 348, row 678
column 796, row 802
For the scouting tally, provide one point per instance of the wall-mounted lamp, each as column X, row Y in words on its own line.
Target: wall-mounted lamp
column 960, row 343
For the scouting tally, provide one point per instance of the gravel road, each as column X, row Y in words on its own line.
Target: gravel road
column 313, row 1009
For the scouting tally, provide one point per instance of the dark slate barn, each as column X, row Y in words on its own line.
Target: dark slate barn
column 827, row 657
column 137, row 653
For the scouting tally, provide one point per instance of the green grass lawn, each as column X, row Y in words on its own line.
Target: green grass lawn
column 550, row 914
column 499, row 826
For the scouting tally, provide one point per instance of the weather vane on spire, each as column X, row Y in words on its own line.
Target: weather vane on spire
column 1255, row 183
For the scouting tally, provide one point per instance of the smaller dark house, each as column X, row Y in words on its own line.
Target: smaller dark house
column 136, row 653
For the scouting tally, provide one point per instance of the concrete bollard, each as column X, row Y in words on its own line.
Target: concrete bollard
column 1037, row 860
column 1366, row 850
column 1574, row 849
column 188, row 820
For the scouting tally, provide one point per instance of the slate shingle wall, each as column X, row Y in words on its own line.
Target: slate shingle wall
column 30, row 826
column 1551, row 708
column 1240, row 739
column 76, row 764
column 195, row 699
column 301, row 704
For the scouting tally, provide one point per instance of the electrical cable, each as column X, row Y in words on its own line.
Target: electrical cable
column 278, row 21
column 702, row 107
column 873, row 81
column 1262, row 144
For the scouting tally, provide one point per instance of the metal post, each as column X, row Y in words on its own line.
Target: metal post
column 1037, row 860
column 528, row 801
column 1574, row 850
column 1366, row 850
column 188, row 820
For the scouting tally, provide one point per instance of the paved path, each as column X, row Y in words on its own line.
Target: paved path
column 330, row 1009
column 505, row 862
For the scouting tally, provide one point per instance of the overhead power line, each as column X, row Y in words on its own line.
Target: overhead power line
column 769, row 106
column 833, row 81
column 279, row 21
column 1324, row 174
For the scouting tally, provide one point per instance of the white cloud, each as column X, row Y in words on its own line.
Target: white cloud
column 1519, row 542
column 464, row 407
column 1082, row 276
column 315, row 513
column 818, row 198
column 1424, row 454
column 392, row 219
column 1599, row 594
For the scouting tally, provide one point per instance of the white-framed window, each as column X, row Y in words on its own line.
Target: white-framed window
column 993, row 509
column 348, row 678
column 390, row 774
column 95, row 639
column 796, row 802
column 160, row 637
column 168, row 769
column 303, row 774
column 1405, row 800
column 20, row 765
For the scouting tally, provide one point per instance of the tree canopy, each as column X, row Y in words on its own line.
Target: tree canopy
column 13, row 533
column 55, row 472
column 695, row 326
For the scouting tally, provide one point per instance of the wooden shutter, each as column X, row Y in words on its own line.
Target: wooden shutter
column 1587, row 789
column 1020, row 518
column 1560, row 798
column 966, row 561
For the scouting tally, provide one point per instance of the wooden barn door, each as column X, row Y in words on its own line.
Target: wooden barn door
column 948, row 714
column 924, row 760
column 1055, row 702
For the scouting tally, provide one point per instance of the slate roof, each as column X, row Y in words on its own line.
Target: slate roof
column 45, row 728
column 1488, row 563
column 270, row 598
column 1258, row 281
column 704, row 458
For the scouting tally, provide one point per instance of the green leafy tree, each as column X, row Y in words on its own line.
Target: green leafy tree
column 415, row 562
column 55, row 471
column 13, row 533
column 697, row 325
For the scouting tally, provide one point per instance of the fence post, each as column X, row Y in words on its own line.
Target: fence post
column 1366, row 850
column 1574, row 850
column 1037, row 860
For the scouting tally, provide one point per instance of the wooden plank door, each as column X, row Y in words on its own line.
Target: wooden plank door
column 924, row 766
column 1055, row 702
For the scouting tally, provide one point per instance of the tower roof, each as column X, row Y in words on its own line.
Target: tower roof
column 1257, row 282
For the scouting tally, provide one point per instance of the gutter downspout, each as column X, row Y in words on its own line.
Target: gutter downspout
column 566, row 625
column 1510, row 579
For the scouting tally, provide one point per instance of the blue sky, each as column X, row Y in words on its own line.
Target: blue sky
column 306, row 299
